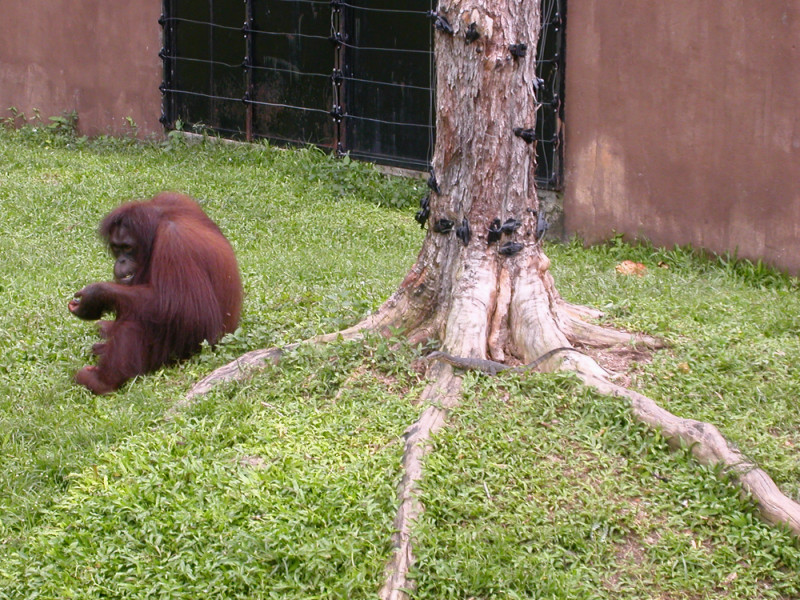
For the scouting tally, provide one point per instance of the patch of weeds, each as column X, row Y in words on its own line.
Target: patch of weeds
column 344, row 176
column 58, row 131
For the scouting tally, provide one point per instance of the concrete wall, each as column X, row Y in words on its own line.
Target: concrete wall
column 683, row 124
column 96, row 57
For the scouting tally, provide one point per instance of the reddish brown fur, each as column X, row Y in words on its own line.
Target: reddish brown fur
column 186, row 289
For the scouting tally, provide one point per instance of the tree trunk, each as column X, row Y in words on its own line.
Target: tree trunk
column 486, row 295
column 489, row 295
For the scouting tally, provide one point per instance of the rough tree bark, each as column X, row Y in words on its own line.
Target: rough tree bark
column 495, row 299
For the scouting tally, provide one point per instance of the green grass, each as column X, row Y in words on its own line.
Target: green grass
column 284, row 486
column 242, row 496
column 542, row 489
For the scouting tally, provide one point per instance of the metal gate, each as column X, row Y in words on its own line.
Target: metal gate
column 352, row 76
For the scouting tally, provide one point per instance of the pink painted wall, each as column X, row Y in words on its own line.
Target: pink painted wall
column 682, row 124
column 95, row 57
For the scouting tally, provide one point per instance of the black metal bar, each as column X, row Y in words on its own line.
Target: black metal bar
column 249, row 26
column 167, row 117
column 338, row 111
column 212, row 103
column 550, row 69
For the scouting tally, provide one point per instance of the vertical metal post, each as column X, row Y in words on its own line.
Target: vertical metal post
column 167, row 55
column 212, row 101
column 249, row 58
column 337, row 77
column 560, row 23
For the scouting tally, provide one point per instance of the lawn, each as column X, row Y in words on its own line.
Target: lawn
column 284, row 485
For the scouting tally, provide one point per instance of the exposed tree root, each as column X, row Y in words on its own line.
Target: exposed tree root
column 709, row 447
column 706, row 442
column 250, row 362
column 576, row 311
column 589, row 334
column 235, row 370
column 442, row 395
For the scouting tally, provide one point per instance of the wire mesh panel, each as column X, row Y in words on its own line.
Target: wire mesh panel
column 204, row 81
column 353, row 76
column 549, row 68
column 388, row 76
column 291, row 65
